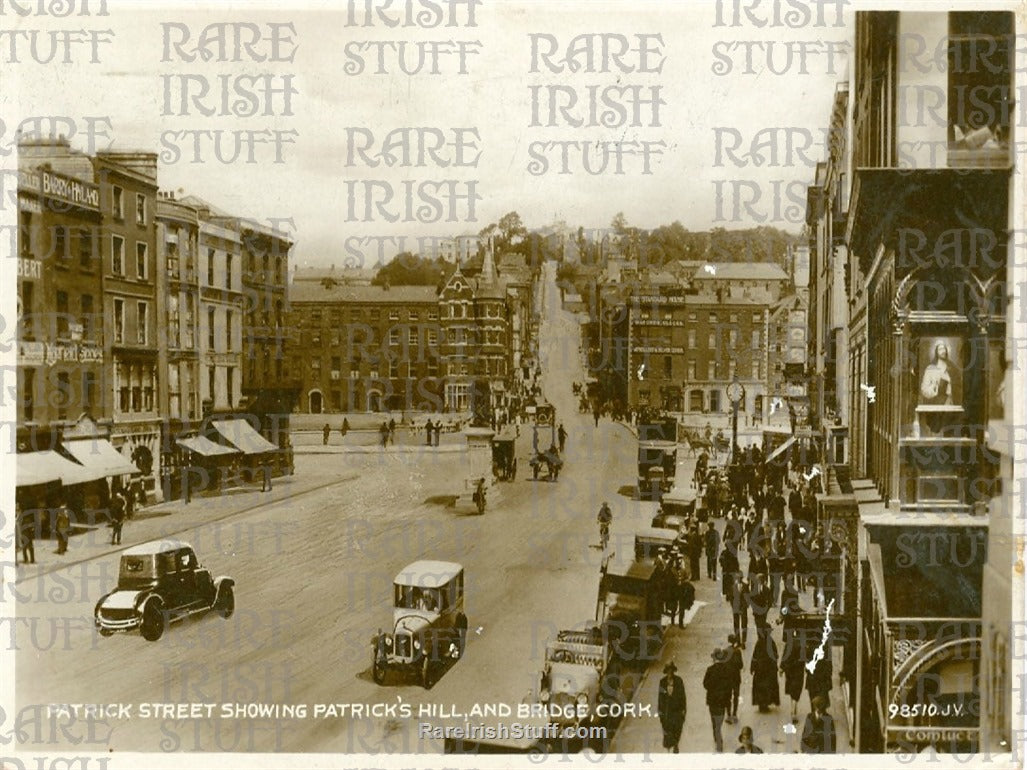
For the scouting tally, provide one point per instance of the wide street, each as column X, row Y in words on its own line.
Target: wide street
column 313, row 565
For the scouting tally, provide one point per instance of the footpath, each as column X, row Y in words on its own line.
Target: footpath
column 167, row 520
column 707, row 626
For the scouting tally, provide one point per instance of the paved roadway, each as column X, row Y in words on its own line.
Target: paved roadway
column 314, row 574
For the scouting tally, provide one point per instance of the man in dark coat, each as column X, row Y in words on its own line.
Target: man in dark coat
column 694, row 548
column 729, row 568
column 26, row 532
column 428, row 428
column 671, row 706
column 795, row 504
column 818, row 735
column 117, row 516
column 740, row 608
column 712, row 543
column 686, row 596
column 736, row 665
column 717, row 682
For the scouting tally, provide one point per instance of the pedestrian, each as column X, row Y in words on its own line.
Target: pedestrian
column 818, row 681
column 728, row 569
column 392, row 430
column 694, row 547
column 345, row 427
column 740, row 608
column 265, row 478
column 325, row 432
column 62, row 528
column 794, row 669
column 117, row 516
column 671, row 705
column 818, row 734
column 595, row 415
column 764, row 672
column 747, row 747
column 735, row 666
column 26, row 534
column 717, row 682
column 712, row 543
column 686, row 596
column 383, row 431
column 759, row 599
column 428, row 428
column 562, row 436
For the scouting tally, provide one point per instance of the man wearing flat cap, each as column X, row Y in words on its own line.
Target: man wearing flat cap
column 671, row 706
column 718, row 692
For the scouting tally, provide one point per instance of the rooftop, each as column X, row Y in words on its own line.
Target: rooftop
column 315, row 291
column 741, row 271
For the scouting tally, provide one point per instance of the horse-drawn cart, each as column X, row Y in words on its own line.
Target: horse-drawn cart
column 504, row 461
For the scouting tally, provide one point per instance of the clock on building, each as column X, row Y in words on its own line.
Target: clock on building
column 735, row 391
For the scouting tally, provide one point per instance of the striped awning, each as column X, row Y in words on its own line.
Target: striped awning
column 47, row 466
column 100, row 455
column 204, row 446
column 240, row 433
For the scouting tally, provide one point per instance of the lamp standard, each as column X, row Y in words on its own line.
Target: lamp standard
column 735, row 394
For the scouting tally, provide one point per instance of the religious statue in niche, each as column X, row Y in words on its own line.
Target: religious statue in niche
column 940, row 391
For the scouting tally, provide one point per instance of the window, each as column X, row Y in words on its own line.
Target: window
column 711, row 370
column 62, row 314
column 119, row 321
column 433, row 315
column 28, row 393
column 63, row 395
column 668, row 367
column 210, row 328
column 60, row 242
column 691, row 371
column 733, row 318
column 140, row 209
column 354, row 370
column 228, row 271
column 757, row 318
column 229, row 385
column 731, row 369
column 375, row 314
column 757, row 372
column 391, row 370
column 26, row 290
column 692, row 317
column 316, row 318
column 433, row 338
column 315, row 366
column 714, row 400
column 335, row 316
column 141, row 261
column 315, row 337
column 228, row 331
column 433, row 367
column 394, row 336
column 24, row 233
column 88, row 390
column 117, row 255
column 756, row 339
column 210, row 266
column 691, row 339
column 142, row 311
column 86, row 316
column 394, row 315
column 413, row 315
column 211, row 381
column 711, row 340
column 337, row 400
column 713, row 318
column 373, row 373
column 732, row 338
column 85, row 248
column 118, row 202
column 412, row 335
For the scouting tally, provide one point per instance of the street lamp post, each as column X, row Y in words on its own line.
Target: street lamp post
column 735, row 393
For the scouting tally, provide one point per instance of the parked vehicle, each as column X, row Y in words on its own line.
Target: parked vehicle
column 629, row 607
column 158, row 583
column 649, row 541
column 504, row 463
column 657, row 464
column 574, row 676
column 428, row 626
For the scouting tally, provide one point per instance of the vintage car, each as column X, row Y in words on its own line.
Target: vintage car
column 428, row 625
column 160, row 582
column 573, row 680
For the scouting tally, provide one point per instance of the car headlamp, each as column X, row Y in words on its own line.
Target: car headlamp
column 544, row 696
column 582, row 699
column 417, row 644
column 388, row 642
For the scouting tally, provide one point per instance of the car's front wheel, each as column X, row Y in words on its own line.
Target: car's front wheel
column 461, row 634
column 224, row 604
column 106, row 632
column 154, row 621
column 379, row 667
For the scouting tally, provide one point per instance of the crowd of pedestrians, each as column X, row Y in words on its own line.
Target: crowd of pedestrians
column 774, row 561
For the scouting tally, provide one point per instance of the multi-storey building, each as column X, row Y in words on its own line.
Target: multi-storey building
column 271, row 393
column 475, row 339
column 60, row 330
column 365, row 348
column 179, row 295
column 927, row 231
column 128, row 198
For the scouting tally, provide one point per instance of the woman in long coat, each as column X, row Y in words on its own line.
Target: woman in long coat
column 794, row 669
column 764, row 672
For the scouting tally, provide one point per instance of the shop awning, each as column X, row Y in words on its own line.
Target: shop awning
column 781, row 449
column 47, row 466
column 100, row 454
column 241, row 434
column 204, row 446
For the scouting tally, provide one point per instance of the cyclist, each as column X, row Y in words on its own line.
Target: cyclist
column 604, row 518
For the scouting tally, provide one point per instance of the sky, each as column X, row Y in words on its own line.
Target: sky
column 710, row 98
column 132, row 86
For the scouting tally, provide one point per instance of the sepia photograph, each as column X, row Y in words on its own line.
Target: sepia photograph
column 507, row 383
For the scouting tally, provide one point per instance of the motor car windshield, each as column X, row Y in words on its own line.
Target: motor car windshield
column 136, row 571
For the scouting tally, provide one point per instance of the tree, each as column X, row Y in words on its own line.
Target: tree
column 407, row 269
